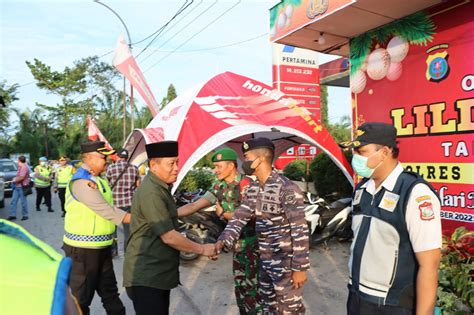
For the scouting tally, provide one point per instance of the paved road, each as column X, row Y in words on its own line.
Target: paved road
column 207, row 286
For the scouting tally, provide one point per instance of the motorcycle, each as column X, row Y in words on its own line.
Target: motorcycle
column 202, row 227
column 326, row 220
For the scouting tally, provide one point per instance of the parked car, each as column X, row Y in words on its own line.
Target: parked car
column 9, row 168
column 2, row 191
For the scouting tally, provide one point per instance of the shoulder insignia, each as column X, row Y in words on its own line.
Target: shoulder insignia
column 425, row 206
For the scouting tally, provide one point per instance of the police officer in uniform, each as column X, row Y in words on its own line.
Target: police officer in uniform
column 277, row 204
column 43, row 179
column 89, row 225
column 151, row 267
column 226, row 193
column 64, row 173
column 397, row 231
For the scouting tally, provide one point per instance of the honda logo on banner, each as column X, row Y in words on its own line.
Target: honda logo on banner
column 126, row 64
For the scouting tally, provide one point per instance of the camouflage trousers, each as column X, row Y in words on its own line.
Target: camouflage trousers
column 277, row 292
column 245, row 269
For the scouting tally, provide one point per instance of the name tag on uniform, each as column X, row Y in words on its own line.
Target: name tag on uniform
column 357, row 196
column 389, row 201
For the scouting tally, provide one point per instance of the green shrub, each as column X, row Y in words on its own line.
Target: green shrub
column 328, row 178
column 197, row 178
column 456, row 274
column 296, row 170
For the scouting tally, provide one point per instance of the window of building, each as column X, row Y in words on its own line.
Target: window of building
column 312, row 150
column 301, row 151
column 290, row 151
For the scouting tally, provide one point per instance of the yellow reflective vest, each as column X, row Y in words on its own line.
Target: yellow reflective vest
column 34, row 277
column 44, row 171
column 64, row 175
column 83, row 227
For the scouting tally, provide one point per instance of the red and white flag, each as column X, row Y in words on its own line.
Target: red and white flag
column 126, row 64
column 94, row 133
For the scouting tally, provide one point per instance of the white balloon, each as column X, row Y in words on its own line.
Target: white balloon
column 281, row 20
column 289, row 11
column 378, row 64
column 394, row 71
column 358, row 82
column 397, row 49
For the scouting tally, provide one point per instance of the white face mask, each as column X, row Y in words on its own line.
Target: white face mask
column 43, row 163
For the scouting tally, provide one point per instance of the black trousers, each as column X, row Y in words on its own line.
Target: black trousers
column 93, row 271
column 149, row 301
column 62, row 197
column 43, row 192
column 357, row 306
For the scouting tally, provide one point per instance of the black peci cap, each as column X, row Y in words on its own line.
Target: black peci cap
column 123, row 153
column 96, row 146
column 257, row 143
column 162, row 149
column 373, row 133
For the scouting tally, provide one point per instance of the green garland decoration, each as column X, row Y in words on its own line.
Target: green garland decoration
column 417, row 29
column 274, row 11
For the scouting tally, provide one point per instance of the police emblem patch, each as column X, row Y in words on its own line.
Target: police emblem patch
column 245, row 145
column 219, row 157
column 426, row 208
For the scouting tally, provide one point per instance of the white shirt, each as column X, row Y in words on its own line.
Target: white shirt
column 422, row 216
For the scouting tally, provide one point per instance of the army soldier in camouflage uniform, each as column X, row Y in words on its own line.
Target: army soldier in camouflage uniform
column 226, row 193
column 281, row 228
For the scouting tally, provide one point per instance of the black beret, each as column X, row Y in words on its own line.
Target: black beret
column 162, row 149
column 96, row 146
column 256, row 143
column 373, row 133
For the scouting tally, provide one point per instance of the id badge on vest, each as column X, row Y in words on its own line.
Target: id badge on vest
column 389, row 201
column 357, row 196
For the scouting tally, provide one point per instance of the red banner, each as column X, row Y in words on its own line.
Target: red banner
column 94, row 133
column 126, row 64
column 424, row 87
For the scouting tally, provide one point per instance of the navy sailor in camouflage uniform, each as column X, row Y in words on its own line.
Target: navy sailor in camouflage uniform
column 277, row 204
column 226, row 193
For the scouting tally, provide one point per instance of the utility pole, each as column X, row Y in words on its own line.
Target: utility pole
column 132, row 125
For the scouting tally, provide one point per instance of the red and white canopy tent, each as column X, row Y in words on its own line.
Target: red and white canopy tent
column 228, row 110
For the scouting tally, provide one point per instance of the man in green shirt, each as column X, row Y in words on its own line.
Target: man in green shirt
column 226, row 193
column 151, row 267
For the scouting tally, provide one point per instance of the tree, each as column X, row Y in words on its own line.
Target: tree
column 84, row 89
column 88, row 76
column 9, row 95
column 324, row 105
column 328, row 178
column 170, row 95
column 341, row 131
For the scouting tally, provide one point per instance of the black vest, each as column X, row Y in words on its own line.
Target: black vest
column 383, row 264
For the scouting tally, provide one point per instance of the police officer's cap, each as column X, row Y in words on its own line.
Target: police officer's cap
column 43, row 159
column 257, row 143
column 96, row 146
column 162, row 149
column 225, row 154
column 373, row 133
column 123, row 153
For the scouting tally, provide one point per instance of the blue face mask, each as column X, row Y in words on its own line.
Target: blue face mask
column 359, row 164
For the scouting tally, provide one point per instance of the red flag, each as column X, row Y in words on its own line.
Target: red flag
column 126, row 64
column 94, row 133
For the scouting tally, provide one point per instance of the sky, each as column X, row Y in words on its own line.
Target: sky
column 188, row 52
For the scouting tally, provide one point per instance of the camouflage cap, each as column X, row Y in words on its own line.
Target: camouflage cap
column 225, row 154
